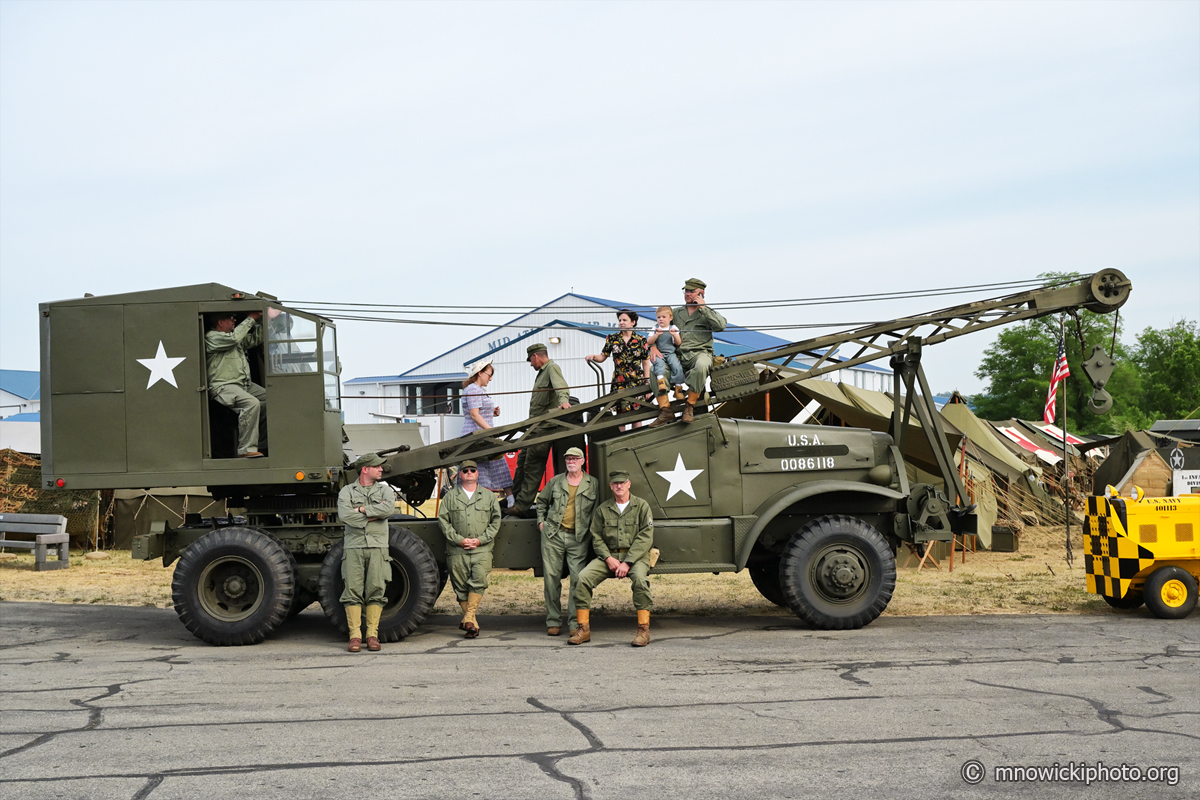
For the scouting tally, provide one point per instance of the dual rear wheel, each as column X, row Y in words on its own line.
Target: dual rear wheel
column 237, row 585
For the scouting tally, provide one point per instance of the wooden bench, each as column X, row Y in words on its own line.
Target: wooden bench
column 49, row 530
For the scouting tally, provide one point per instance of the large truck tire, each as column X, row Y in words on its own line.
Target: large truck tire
column 414, row 588
column 765, row 578
column 1170, row 593
column 234, row 586
column 837, row 573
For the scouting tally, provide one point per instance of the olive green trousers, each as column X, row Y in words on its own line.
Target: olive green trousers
column 468, row 571
column 366, row 572
column 555, row 551
column 597, row 572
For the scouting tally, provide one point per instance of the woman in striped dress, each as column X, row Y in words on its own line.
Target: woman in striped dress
column 478, row 413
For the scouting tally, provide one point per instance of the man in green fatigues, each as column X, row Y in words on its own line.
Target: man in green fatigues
column 469, row 517
column 622, row 535
column 696, row 323
column 564, row 512
column 229, row 383
column 364, row 507
column 549, row 392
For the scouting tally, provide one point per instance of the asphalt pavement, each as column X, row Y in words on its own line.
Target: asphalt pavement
column 115, row 702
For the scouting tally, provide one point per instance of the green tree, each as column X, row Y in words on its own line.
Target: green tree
column 1017, row 368
column 1169, row 362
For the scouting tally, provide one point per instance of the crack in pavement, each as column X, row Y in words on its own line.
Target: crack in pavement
column 1165, row 697
column 559, row 755
column 95, row 717
column 548, row 763
column 1103, row 712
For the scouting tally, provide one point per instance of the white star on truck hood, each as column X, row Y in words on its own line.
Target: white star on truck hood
column 161, row 366
column 680, row 478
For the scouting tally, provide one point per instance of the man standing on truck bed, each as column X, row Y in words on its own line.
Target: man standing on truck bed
column 225, row 346
column 696, row 323
column 622, row 535
column 549, row 392
column 364, row 507
column 564, row 512
column 469, row 517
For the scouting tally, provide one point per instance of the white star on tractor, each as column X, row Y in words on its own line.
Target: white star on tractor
column 161, row 366
column 680, row 478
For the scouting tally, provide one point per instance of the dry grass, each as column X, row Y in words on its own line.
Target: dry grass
column 989, row 583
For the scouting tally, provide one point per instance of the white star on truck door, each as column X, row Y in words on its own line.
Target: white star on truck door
column 680, row 478
column 161, row 366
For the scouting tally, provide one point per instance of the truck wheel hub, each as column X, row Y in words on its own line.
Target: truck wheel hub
column 842, row 575
column 235, row 587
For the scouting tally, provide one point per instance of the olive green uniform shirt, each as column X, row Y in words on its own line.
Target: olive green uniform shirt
column 552, row 505
column 549, row 390
column 476, row 517
column 696, row 330
column 626, row 537
column 226, row 353
column 378, row 500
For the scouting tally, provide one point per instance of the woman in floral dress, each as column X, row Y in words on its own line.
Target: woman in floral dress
column 631, row 356
column 478, row 413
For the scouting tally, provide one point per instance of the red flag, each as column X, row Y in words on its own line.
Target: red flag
column 1061, row 371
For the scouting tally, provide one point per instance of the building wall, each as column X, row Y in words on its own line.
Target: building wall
column 11, row 404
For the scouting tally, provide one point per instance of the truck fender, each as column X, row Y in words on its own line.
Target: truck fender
column 783, row 500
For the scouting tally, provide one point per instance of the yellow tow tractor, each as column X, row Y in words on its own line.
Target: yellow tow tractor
column 1143, row 549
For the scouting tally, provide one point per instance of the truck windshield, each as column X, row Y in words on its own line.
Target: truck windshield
column 291, row 342
column 329, row 365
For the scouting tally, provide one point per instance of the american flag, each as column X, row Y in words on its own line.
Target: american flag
column 1061, row 371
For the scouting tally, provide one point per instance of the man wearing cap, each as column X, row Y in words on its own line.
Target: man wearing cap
column 622, row 535
column 225, row 346
column 696, row 323
column 469, row 517
column 364, row 507
column 564, row 513
column 549, row 392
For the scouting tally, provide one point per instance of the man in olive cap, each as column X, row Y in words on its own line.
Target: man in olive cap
column 622, row 535
column 469, row 517
column 564, row 513
column 364, row 507
column 549, row 392
column 696, row 323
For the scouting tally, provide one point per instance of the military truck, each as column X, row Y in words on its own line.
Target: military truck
column 815, row 513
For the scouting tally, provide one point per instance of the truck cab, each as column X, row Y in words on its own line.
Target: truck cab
column 126, row 402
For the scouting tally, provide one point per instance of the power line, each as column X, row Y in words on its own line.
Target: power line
column 457, row 310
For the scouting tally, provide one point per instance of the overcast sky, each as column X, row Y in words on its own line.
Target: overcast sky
column 505, row 153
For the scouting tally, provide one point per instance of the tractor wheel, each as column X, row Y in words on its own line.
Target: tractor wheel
column 411, row 592
column 1170, row 593
column 765, row 578
column 233, row 586
column 1131, row 600
column 837, row 573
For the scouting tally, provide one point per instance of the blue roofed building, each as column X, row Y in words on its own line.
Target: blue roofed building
column 571, row 326
column 20, row 392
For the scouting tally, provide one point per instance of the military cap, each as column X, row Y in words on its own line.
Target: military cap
column 573, row 451
column 536, row 347
column 618, row 476
column 468, row 463
column 694, row 283
column 369, row 460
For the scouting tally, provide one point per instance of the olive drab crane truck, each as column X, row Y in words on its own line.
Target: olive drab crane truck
column 816, row 514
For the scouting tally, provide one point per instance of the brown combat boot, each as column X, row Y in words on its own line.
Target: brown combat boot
column 689, row 412
column 553, row 631
column 471, row 624
column 354, row 622
column 643, row 630
column 581, row 634
column 374, row 612
column 665, row 417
